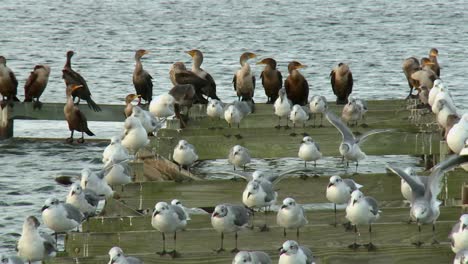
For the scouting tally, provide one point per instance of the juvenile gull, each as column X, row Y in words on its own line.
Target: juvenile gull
column 291, row 216
column 339, row 191
column 184, row 154
column 292, row 253
column 239, row 156
column 168, row 219
column 60, row 217
column 259, row 194
column 251, row 257
column 309, row 151
column 424, row 203
column 96, row 183
column 227, row 218
column 459, row 235
column 362, row 210
column 86, row 202
column 282, row 107
column 318, row 105
column 115, row 150
column 116, row 256
column 33, row 246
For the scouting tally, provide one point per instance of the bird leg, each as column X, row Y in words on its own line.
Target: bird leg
column 37, row 104
column 315, row 164
column 357, row 164
column 265, row 228
column 174, row 253
column 70, row 139
column 163, row 252
column 313, row 117
column 321, row 120
column 355, row 245
column 279, row 123
column 305, row 164
column 81, row 140
column 221, row 249
column 418, row 243
column 284, row 232
column 370, row 246
column 297, row 234
column 334, row 224
column 434, row 241
column 235, row 250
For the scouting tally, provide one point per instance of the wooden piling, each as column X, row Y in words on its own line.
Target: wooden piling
column 6, row 123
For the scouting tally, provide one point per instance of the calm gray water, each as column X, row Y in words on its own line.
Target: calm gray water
column 372, row 36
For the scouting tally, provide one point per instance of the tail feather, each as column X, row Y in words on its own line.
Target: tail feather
column 88, row 132
column 93, row 105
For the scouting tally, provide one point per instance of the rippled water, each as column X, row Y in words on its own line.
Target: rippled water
column 372, row 36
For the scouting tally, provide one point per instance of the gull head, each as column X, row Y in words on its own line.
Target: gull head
column 420, row 210
column 289, row 247
column 288, row 202
column 334, row 180
column 220, row 211
column 344, row 148
column 160, row 207
column 85, row 176
column 76, row 189
column 50, row 202
column 115, row 140
column 307, row 139
column 252, row 188
column 115, row 254
column 258, row 175
column 31, row 222
column 356, row 196
column 242, row 257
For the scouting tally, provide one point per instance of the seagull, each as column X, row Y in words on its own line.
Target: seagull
column 405, row 188
column 318, row 105
column 60, row 217
column 135, row 136
column 458, row 134
column 298, row 115
column 434, row 91
column 339, row 191
column 168, row 219
column 86, row 202
column 349, row 147
column 459, row 235
column 354, row 111
column 238, row 156
column 163, row 106
column 292, row 253
column 445, row 111
column 214, row 109
column 443, row 94
column 33, row 246
column 184, row 154
column 12, row 259
column 309, row 151
column 259, row 194
column 117, row 173
column 227, row 218
column 282, row 107
column 117, row 256
column 96, row 183
column 115, row 150
column 362, row 210
column 424, row 203
column 176, row 202
column 150, row 123
column 236, row 111
column 291, row 216
column 251, row 257
column 461, row 257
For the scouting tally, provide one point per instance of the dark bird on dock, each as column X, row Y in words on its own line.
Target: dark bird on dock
column 244, row 80
column 128, row 104
column 71, row 77
column 142, row 80
column 179, row 75
column 184, row 96
column 341, row 82
column 8, row 83
column 36, row 84
column 272, row 80
column 209, row 89
column 75, row 118
column 433, row 54
column 410, row 66
column 425, row 76
column 297, row 88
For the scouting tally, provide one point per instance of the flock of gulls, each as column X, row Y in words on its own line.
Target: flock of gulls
column 291, row 103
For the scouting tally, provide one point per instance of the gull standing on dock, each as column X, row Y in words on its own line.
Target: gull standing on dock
column 309, row 151
column 168, row 219
column 291, row 216
column 272, row 80
column 342, row 82
column 184, row 154
column 235, row 112
column 354, row 111
column 33, row 246
column 424, row 203
column 214, row 109
column 244, row 80
column 458, row 134
column 434, row 91
column 296, row 85
column 298, row 115
column 362, row 210
column 163, row 106
column 282, row 107
column 318, row 105
column 142, row 80
column 405, row 188
column 117, row 172
column 349, row 147
column 75, row 118
column 36, row 84
column 117, row 256
column 149, row 122
column 227, row 218
column 459, row 235
column 259, row 194
column 292, row 253
column 8, row 83
column 71, row 78
column 86, row 202
column 239, row 156
column 251, row 257
column 61, row 217
column 339, row 191
column 96, row 183
column 115, row 150
column 135, row 136
column 176, row 202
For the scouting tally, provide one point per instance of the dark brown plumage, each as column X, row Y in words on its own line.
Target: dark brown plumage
column 184, row 96
column 36, row 84
column 425, row 76
column 433, row 54
column 341, row 82
column 179, row 75
column 75, row 118
column 410, row 66
column 272, row 80
column 297, row 88
column 142, row 80
column 244, row 81
column 209, row 89
column 8, row 83
column 71, row 77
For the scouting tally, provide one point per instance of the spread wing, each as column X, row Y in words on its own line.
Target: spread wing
column 417, row 188
column 361, row 139
column 342, row 128
column 438, row 171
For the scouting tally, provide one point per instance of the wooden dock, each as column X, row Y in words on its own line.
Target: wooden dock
column 126, row 222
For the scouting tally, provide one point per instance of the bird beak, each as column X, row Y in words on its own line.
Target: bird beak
column 248, row 195
column 301, row 66
column 146, row 52
column 260, row 62
column 86, row 183
column 156, row 212
column 235, row 153
column 354, row 201
column 44, row 207
column 73, row 193
column 282, row 251
column 215, row 214
column 190, row 52
column 283, row 206
column 331, row 184
column 463, row 226
column 252, row 55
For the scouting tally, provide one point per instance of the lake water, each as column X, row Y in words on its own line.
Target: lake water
column 373, row 37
